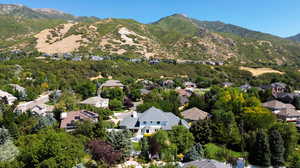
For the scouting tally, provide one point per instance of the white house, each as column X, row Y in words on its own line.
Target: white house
column 97, row 102
column 151, row 121
column 10, row 98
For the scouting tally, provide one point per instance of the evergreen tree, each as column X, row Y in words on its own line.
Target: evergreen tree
column 201, row 131
column 100, row 130
column 145, row 149
column 277, row 148
column 195, row 153
column 260, row 154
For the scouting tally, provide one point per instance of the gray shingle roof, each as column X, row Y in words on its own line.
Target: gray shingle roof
column 153, row 114
column 205, row 163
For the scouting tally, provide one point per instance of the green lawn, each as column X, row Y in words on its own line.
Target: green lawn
column 220, row 153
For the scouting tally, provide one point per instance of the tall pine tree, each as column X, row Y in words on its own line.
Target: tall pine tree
column 260, row 154
column 277, row 148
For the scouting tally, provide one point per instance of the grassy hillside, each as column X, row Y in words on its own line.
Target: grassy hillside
column 173, row 37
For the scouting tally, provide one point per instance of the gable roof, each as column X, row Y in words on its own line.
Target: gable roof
column 112, row 83
column 289, row 113
column 275, row 104
column 153, row 114
column 194, row 114
column 93, row 100
column 206, row 163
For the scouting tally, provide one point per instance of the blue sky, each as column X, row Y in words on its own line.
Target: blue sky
column 272, row 16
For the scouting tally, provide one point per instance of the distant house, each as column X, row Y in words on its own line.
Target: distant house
column 145, row 92
column 9, row 97
column 184, row 92
column 21, row 90
column 154, row 61
column 112, row 84
column 284, row 111
column 69, row 119
column 277, row 88
column 189, row 85
column 194, row 114
column 245, row 87
column 151, row 121
column 275, row 106
column 289, row 115
column 42, row 109
column 168, row 83
column 227, row 84
column 205, row 163
column 96, row 58
column 286, row 97
column 97, row 102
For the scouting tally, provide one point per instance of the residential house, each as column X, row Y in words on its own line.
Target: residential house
column 227, row 84
column 183, row 96
column 194, row 114
column 286, row 97
column 245, row 87
column 189, row 85
column 9, row 97
column 284, row 111
column 42, row 109
column 69, row 119
column 168, row 83
column 112, row 84
column 145, row 92
column 96, row 58
column 206, row 163
column 289, row 114
column 21, row 90
column 277, row 88
column 151, row 121
column 97, row 101
column 275, row 106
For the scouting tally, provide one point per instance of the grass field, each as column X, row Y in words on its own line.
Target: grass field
column 260, row 71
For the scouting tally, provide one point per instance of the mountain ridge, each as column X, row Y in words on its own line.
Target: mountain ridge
column 172, row 37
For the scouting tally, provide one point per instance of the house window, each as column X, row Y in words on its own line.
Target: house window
column 77, row 117
column 147, row 131
column 158, row 122
column 145, row 122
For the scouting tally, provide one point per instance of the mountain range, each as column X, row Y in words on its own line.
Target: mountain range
column 174, row 37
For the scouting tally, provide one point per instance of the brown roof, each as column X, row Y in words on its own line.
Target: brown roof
column 288, row 112
column 275, row 104
column 74, row 116
column 194, row 114
column 183, row 92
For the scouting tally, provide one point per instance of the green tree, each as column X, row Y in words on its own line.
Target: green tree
column 195, row 153
column 260, row 154
column 4, row 135
column 289, row 135
column 182, row 138
column 86, row 89
column 257, row 118
column 115, row 104
column 297, row 102
column 197, row 101
column 100, row 129
column 120, row 140
column 48, row 145
column 145, row 148
column 201, row 131
column 276, row 148
column 113, row 93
